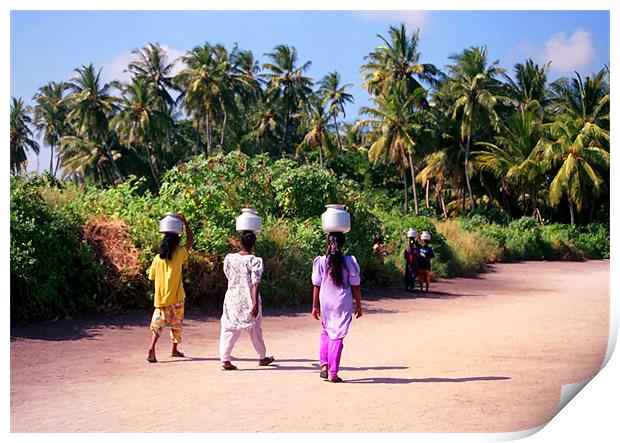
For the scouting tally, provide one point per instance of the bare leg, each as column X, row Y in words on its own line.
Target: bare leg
column 154, row 338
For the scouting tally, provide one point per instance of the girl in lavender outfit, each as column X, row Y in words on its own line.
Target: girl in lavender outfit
column 336, row 280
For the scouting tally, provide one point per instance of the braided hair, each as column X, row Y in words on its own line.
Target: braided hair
column 335, row 257
column 168, row 244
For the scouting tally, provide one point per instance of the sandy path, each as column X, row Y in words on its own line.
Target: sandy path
column 488, row 354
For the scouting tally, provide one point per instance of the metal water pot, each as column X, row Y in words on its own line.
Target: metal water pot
column 171, row 223
column 249, row 221
column 336, row 219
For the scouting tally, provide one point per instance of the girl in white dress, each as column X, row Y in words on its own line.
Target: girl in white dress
column 242, row 304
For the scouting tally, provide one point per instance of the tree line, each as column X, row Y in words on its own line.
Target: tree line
column 472, row 136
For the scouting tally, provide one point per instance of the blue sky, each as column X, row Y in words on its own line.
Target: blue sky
column 48, row 45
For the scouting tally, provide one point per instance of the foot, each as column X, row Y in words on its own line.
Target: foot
column 335, row 380
column 266, row 361
column 176, row 353
column 323, row 373
column 151, row 358
column 227, row 366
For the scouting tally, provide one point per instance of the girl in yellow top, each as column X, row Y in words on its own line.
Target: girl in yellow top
column 169, row 297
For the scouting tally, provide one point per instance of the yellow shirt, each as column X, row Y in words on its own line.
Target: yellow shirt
column 168, row 278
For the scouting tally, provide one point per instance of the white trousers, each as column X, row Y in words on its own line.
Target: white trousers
column 228, row 338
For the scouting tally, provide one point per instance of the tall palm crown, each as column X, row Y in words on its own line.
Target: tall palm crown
column 50, row 115
column 287, row 86
column 513, row 157
column 316, row 130
column 529, row 89
column 143, row 123
column 335, row 97
column 391, row 128
column 474, row 91
column 152, row 62
column 577, row 143
column 397, row 60
column 91, row 106
column 21, row 136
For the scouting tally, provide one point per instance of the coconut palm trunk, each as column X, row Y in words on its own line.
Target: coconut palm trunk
column 283, row 143
column 428, row 186
column 321, row 155
column 52, row 159
column 471, row 196
column 153, row 167
column 117, row 171
column 337, row 133
column 208, row 129
column 442, row 202
column 415, row 191
column 572, row 211
column 223, row 128
column 404, row 174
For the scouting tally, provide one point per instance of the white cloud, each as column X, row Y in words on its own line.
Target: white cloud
column 116, row 69
column 570, row 54
column 413, row 19
column 566, row 54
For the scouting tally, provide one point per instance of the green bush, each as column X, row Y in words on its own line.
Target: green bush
column 53, row 274
column 50, row 281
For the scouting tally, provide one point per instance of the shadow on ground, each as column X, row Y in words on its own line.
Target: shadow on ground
column 389, row 380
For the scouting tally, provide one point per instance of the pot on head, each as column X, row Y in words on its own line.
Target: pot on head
column 249, row 221
column 425, row 236
column 336, row 219
column 171, row 223
column 412, row 233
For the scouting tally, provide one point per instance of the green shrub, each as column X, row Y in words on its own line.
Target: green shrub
column 53, row 274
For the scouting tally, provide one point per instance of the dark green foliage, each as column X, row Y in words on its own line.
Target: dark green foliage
column 52, row 273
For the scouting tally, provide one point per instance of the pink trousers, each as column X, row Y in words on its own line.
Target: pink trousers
column 330, row 353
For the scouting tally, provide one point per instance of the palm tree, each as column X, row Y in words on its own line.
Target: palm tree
column 152, row 63
column 203, row 85
column 530, row 90
column 578, row 140
column 286, row 84
column 513, row 158
column 475, row 92
column 397, row 60
column 335, row 97
column 50, row 116
column 391, row 131
column 317, row 134
column 143, row 123
column 21, row 136
column 91, row 107
column 582, row 161
column 238, row 70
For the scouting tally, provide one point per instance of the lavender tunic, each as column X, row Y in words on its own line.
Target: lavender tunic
column 336, row 302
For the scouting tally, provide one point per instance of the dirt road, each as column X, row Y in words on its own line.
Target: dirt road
column 487, row 354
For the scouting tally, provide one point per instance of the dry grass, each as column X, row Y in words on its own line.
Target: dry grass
column 471, row 250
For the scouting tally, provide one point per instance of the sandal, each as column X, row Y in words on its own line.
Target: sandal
column 229, row 367
column 266, row 361
column 323, row 373
column 151, row 358
column 335, row 380
column 177, row 354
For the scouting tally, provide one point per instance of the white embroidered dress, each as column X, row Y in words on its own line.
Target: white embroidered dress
column 242, row 271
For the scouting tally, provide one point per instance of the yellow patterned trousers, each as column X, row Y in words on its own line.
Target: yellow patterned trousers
column 171, row 315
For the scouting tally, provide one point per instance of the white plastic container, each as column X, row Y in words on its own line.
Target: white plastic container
column 336, row 219
column 249, row 221
column 425, row 236
column 412, row 233
column 171, row 223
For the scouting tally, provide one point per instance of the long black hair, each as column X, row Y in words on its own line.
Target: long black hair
column 168, row 244
column 335, row 257
column 248, row 240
